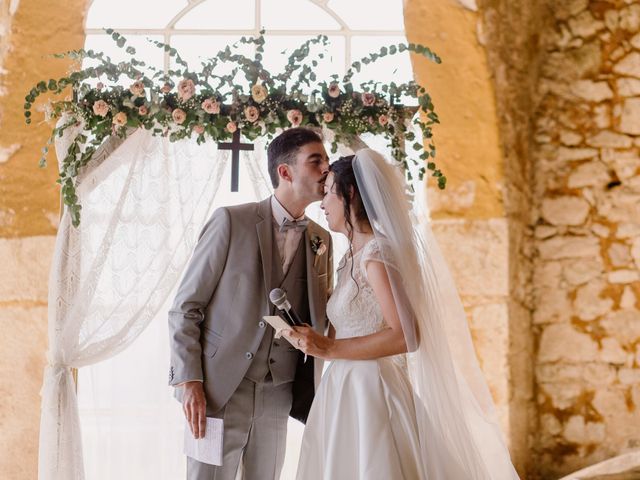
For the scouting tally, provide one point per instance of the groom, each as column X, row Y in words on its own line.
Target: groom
column 225, row 361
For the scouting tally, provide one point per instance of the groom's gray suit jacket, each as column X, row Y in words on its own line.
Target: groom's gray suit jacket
column 215, row 324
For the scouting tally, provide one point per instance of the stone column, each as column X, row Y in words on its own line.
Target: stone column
column 30, row 31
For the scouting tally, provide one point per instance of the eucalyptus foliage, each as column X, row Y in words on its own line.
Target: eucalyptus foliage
column 185, row 102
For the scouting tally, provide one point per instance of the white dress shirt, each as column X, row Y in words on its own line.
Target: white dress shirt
column 287, row 241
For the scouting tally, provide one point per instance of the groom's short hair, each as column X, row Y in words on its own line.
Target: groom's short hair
column 284, row 148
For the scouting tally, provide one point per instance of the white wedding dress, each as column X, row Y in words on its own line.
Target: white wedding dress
column 362, row 423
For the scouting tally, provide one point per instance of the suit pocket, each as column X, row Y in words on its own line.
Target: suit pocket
column 210, row 345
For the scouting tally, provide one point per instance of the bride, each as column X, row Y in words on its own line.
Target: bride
column 404, row 397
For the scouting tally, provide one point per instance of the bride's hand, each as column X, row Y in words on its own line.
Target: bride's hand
column 310, row 342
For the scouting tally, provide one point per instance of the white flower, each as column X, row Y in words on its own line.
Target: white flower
column 186, row 89
column 258, row 93
column 334, row 90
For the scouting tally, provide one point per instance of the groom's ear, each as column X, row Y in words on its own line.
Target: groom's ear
column 284, row 172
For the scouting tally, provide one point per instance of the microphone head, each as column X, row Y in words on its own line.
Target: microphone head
column 278, row 297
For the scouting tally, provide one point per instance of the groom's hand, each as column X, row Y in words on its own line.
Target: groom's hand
column 195, row 407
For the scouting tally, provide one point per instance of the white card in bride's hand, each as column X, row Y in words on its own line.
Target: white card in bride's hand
column 277, row 323
column 207, row 449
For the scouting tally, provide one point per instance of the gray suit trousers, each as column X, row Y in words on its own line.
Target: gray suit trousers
column 255, row 434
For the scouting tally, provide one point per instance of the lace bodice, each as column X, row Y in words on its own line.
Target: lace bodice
column 353, row 309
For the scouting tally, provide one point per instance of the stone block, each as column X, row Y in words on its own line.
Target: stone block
column 630, row 117
column 610, row 139
column 590, row 174
column 619, row 255
column 628, row 87
column 26, row 261
column 569, row 247
column 629, row 65
column 580, row 271
column 592, row 91
column 612, row 352
column 588, row 303
column 565, row 210
column 562, row 342
column 624, row 276
column 565, row 154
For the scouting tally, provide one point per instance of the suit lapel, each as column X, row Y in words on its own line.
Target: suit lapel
column 264, row 228
column 312, row 280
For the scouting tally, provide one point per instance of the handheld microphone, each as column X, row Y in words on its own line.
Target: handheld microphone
column 279, row 298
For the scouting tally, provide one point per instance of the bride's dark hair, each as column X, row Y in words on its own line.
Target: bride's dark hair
column 346, row 187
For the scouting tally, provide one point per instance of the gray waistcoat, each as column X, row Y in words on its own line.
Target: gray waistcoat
column 277, row 355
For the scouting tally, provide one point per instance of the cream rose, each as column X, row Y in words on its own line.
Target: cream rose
column 368, row 99
column 143, row 110
column 137, row 88
column 327, row 117
column 120, row 119
column 258, row 93
column 383, row 120
column 186, row 89
column 334, row 90
column 166, row 88
column 231, row 127
column 295, row 117
column 179, row 116
column 251, row 113
column 101, row 108
column 199, row 129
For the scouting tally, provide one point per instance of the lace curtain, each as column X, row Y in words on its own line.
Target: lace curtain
column 141, row 213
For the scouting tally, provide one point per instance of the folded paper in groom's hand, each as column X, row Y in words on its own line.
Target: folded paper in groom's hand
column 207, row 449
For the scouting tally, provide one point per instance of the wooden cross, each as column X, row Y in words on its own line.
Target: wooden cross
column 235, row 146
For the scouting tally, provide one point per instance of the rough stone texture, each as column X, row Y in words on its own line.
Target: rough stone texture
column 29, row 31
column 23, row 323
column 586, row 279
column 36, row 30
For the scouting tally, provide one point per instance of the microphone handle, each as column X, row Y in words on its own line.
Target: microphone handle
column 287, row 317
column 295, row 318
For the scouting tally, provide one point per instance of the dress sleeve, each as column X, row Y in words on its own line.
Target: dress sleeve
column 376, row 250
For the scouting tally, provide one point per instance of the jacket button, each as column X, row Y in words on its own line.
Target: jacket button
column 261, row 324
column 248, row 355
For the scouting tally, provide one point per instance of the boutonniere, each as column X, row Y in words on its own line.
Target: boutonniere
column 318, row 247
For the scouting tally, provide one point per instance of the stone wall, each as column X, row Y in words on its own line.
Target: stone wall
column 30, row 31
column 587, row 231
column 480, row 219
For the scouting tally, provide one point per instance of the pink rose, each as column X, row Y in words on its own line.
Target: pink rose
column 142, row 110
column 100, row 86
column 231, row 127
column 179, row 116
column 327, row 117
column 199, row 129
column 295, row 117
column 137, row 88
column 334, row 90
column 120, row 119
column 251, row 113
column 101, row 108
column 368, row 99
column 211, row 106
column 166, row 88
column 186, row 89
column 383, row 120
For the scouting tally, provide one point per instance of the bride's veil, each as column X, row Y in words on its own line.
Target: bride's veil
column 459, row 433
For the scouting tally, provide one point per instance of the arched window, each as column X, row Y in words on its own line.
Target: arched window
column 131, row 426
